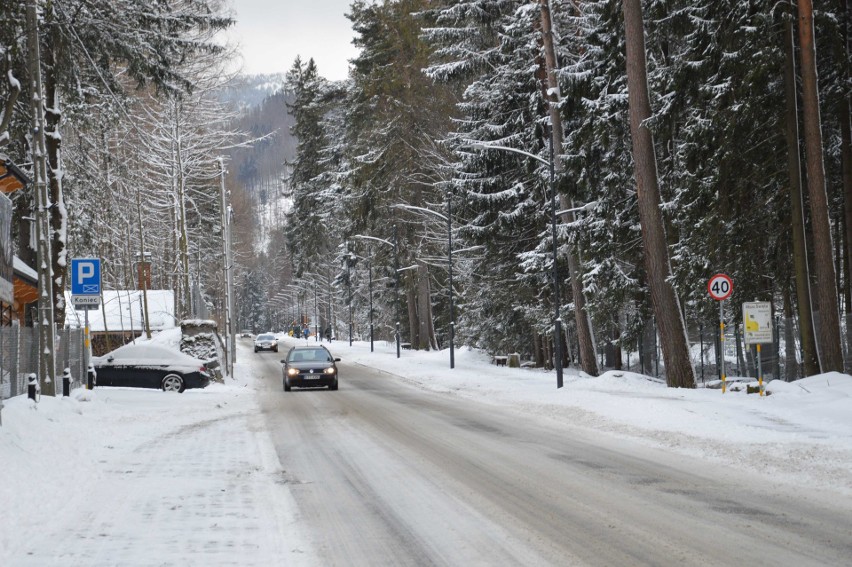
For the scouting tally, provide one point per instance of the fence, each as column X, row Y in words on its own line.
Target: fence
column 19, row 358
column 779, row 359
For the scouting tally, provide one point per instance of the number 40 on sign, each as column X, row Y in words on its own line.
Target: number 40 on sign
column 720, row 287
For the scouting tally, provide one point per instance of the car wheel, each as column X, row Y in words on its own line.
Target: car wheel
column 333, row 386
column 173, row 383
column 286, row 385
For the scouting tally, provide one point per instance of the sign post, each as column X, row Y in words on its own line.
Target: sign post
column 757, row 322
column 86, row 293
column 720, row 287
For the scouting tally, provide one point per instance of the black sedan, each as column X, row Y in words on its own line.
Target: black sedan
column 309, row 367
column 145, row 365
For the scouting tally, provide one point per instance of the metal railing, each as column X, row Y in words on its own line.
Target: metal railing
column 19, row 358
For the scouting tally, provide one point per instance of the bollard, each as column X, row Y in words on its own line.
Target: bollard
column 32, row 387
column 91, row 378
column 66, row 382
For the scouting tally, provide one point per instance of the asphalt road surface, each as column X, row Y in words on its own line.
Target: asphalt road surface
column 385, row 473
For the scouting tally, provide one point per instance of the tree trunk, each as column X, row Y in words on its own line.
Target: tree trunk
column 426, row 329
column 616, row 347
column 413, row 319
column 797, row 215
column 845, row 118
column 588, row 360
column 679, row 371
column 829, row 350
column 538, row 354
column 791, row 365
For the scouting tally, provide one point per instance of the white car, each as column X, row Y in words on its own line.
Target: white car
column 266, row 342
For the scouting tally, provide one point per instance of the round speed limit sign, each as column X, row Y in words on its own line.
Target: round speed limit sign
column 720, row 287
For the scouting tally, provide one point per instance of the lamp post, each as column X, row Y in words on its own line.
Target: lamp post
column 557, row 323
column 370, row 285
column 316, row 313
column 349, row 287
column 396, row 280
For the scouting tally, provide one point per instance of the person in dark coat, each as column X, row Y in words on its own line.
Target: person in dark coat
column 328, row 333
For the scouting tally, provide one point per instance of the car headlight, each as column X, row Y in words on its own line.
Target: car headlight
column 292, row 372
column 331, row 370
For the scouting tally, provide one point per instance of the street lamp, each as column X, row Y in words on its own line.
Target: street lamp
column 349, row 287
column 394, row 244
column 370, row 285
column 557, row 325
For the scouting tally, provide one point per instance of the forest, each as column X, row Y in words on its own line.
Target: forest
column 691, row 138
column 548, row 177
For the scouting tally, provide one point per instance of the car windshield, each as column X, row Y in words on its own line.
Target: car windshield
column 312, row 355
column 265, row 338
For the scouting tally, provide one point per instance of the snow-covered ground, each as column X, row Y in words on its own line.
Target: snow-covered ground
column 200, row 474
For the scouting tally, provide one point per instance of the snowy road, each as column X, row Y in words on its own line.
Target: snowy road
column 384, row 473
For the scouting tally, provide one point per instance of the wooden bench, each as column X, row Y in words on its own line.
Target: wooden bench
column 405, row 346
column 501, row 360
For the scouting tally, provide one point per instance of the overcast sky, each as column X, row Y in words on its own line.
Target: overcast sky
column 271, row 33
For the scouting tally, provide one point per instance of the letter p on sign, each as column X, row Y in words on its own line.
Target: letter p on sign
column 85, row 276
column 85, row 271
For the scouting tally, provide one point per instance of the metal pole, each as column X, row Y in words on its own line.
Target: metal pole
column 701, row 342
column 396, row 284
column 87, row 345
column 450, row 265
column 316, row 314
column 349, row 285
column 557, row 327
column 370, row 269
column 722, row 343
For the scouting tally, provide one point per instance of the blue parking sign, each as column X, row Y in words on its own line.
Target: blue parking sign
column 85, row 276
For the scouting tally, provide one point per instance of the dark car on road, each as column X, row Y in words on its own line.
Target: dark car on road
column 310, row 367
column 150, row 366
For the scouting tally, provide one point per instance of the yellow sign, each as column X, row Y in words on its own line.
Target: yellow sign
column 757, row 322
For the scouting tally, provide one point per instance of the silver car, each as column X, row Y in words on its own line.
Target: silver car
column 266, row 342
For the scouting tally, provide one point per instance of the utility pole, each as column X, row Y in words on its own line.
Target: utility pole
column 47, row 332
column 230, row 335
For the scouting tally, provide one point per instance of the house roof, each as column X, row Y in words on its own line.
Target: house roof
column 123, row 309
column 11, row 178
column 23, row 271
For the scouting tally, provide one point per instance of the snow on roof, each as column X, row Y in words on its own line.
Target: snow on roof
column 124, row 311
column 23, row 269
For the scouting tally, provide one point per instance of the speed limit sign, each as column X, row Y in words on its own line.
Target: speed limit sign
column 720, row 287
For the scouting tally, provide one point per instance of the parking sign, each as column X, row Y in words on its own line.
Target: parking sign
column 85, row 276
